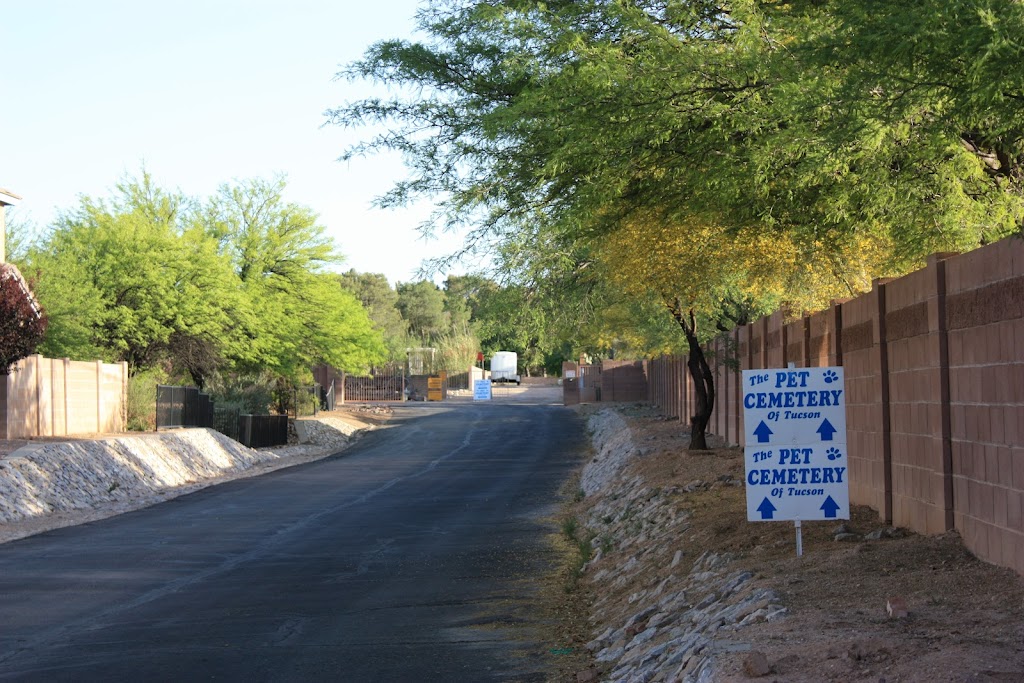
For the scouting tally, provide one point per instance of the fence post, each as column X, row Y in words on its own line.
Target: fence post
column 737, row 384
column 39, row 395
column 5, row 381
column 124, row 396
column 881, row 340
column 937, row 322
column 99, row 397
column 67, row 404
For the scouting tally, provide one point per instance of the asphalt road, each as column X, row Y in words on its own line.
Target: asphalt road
column 410, row 557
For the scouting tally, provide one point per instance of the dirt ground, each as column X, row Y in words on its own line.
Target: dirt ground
column 966, row 617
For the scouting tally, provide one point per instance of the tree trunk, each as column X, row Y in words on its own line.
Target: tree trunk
column 703, row 379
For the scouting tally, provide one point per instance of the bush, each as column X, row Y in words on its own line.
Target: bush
column 142, row 399
column 22, row 321
column 251, row 394
column 294, row 399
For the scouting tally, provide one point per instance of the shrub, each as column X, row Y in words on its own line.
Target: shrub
column 142, row 399
column 22, row 321
column 251, row 394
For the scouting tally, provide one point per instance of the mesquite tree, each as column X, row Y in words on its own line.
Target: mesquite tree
column 849, row 139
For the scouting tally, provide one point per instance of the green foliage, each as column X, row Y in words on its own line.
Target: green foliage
column 20, row 234
column 121, row 278
column 293, row 314
column 248, row 393
column 853, row 138
column 422, row 305
column 456, row 351
column 236, row 284
column 570, row 527
column 381, row 303
column 142, row 399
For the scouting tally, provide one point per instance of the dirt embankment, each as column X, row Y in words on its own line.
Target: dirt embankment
column 56, row 483
column 683, row 588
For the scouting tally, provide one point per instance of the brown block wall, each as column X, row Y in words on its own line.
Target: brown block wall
column 726, row 357
column 823, row 344
column 756, row 356
column 570, row 385
column 985, row 320
column 719, row 367
column 590, row 382
column 736, row 394
column 744, row 351
column 775, row 346
column 914, row 309
column 934, row 366
column 623, row 381
column 795, row 334
column 867, row 414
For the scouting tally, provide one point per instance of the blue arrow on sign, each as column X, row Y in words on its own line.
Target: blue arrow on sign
column 763, row 432
column 829, row 506
column 826, row 430
column 767, row 509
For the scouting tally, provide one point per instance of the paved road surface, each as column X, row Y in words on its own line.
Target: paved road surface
column 407, row 559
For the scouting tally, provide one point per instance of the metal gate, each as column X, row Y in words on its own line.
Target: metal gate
column 386, row 384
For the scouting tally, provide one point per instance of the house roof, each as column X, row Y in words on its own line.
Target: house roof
column 8, row 198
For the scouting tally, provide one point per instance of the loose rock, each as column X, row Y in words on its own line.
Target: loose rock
column 756, row 665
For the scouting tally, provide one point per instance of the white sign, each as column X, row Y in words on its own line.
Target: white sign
column 482, row 390
column 797, row 465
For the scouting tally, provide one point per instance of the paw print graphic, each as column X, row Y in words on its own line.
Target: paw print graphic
column 830, row 376
column 833, row 454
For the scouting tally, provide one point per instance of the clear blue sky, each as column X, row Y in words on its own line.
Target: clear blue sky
column 201, row 93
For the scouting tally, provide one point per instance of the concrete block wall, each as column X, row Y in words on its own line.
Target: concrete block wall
column 934, row 366
column 58, row 397
column 823, row 345
column 918, row 400
column 797, row 337
column 867, row 405
column 669, row 386
column 985, row 322
column 736, row 395
column 718, row 362
column 623, row 381
column 775, row 342
column 744, row 353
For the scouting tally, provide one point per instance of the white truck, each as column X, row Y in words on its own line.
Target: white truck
column 505, row 367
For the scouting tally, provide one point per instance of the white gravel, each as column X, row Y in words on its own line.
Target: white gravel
column 60, row 484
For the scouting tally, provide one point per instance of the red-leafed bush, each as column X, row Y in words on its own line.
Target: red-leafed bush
column 22, row 321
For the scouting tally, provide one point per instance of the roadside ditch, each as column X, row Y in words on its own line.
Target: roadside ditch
column 659, row 613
